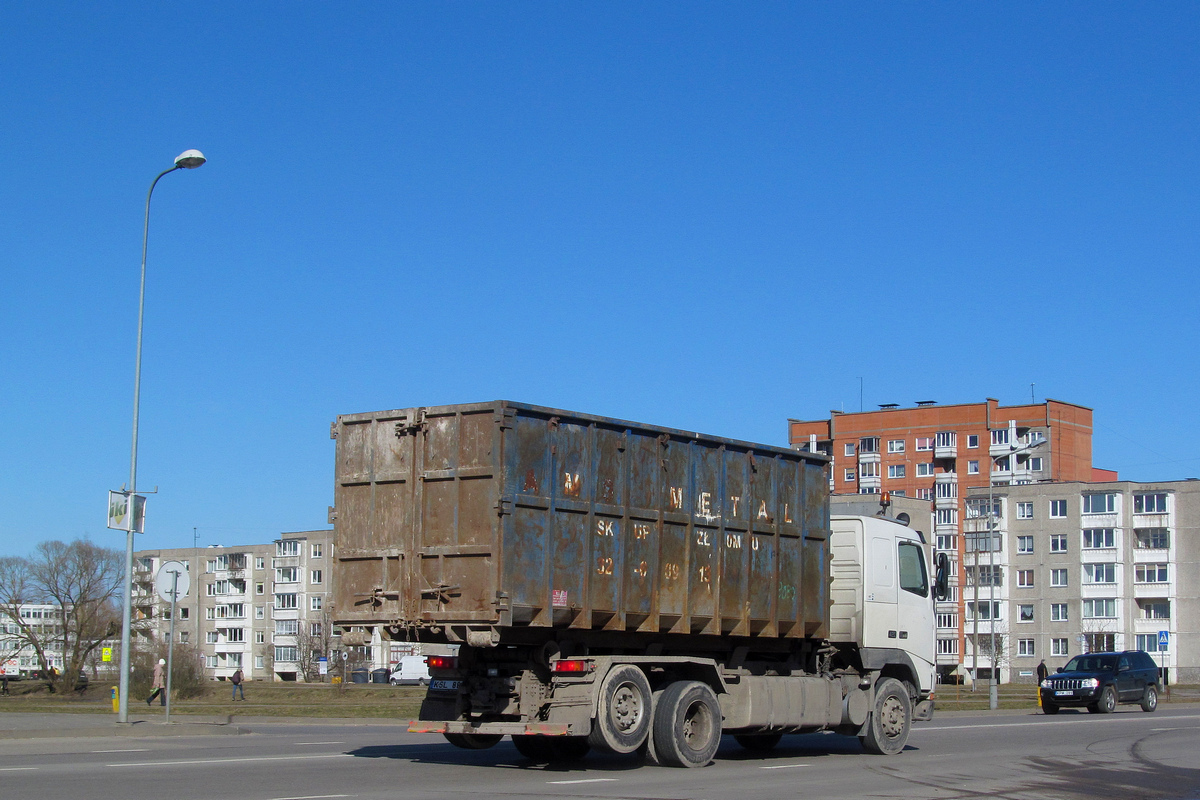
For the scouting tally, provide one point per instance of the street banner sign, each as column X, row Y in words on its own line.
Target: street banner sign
column 119, row 516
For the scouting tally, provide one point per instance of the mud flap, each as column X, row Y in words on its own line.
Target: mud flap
column 923, row 711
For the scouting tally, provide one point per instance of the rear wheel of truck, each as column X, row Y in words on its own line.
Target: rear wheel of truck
column 758, row 742
column 473, row 741
column 623, row 713
column 552, row 748
column 891, row 718
column 687, row 725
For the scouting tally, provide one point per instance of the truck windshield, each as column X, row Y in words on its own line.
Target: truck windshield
column 913, row 577
column 1090, row 664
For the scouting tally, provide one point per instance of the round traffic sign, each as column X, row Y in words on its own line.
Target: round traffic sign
column 172, row 581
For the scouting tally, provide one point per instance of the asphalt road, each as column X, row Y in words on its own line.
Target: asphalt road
column 1126, row 755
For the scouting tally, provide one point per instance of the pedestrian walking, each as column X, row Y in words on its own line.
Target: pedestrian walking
column 4, row 684
column 158, row 684
column 1042, row 671
column 236, row 680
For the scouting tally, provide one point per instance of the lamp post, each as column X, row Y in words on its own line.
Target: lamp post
column 188, row 159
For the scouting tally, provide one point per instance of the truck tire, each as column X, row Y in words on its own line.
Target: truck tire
column 758, row 742
column 473, row 741
column 1150, row 699
column 687, row 725
column 552, row 748
column 891, row 718
column 1107, row 702
column 623, row 712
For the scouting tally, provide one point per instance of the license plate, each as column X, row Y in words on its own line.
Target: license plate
column 1061, row 693
column 444, row 686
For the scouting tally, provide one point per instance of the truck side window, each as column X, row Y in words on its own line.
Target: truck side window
column 913, row 577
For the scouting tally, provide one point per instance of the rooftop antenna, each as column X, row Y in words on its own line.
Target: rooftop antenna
column 1032, row 399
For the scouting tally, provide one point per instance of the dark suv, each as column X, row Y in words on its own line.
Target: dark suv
column 1101, row 680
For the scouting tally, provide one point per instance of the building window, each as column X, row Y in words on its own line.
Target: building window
column 260, row 563
column 1025, row 647
column 947, row 647
column 1149, row 643
column 977, row 508
column 235, row 634
column 315, row 629
column 1149, row 504
column 1025, row 612
column 946, row 491
column 314, row 602
column 1058, row 612
column 947, row 621
column 260, row 637
column 1100, row 573
column 1000, row 464
column 1155, row 609
column 1100, row 642
column 869, row 470
column 1058, row 543
column 1034, row 464
column 315, row 577
column 1024, row 544
column 849, row 448
column 987, row 610
column 924, row 443
column 286, row 601
column 924, row 494
column 258, row 662
column 259, row 588
column 947, row 541
column 1152, row 538
column 1025, row 578
column 1058, row 647
column 184, row 637
column 287, row 627
column 287, row 547
column 972, row 440
column 1104, row 608
column 210, row 613
column 259, row 612
column 850, row 475
column 1000, row 436
column 947, row 516
column 316, row 551
column 1024, row 510
column 285, row 653
column 983, row 542
column 1058, row 509
column 210, row 662
column 972, row 467
column 1151, row 573
column 896, row 470
column 287, row 574
column 1058, row 577
column 985, row 574
column 946, row 439
column 1099, row 503
column 211, row 637
column 895, row 445
column 869, row 444
column 924, row 470
column 1098, row 538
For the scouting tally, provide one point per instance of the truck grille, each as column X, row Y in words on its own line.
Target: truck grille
column 1067, row 683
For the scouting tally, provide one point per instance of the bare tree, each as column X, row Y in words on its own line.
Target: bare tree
column 81, row 581
column 313, row 640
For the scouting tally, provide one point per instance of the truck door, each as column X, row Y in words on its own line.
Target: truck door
column 914, row 605
column 879, row 592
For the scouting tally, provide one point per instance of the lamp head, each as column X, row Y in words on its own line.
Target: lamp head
column 190, row 159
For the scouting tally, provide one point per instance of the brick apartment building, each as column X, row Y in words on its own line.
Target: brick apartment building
column 938, row 453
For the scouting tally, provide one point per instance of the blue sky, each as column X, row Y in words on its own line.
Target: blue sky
column 707, row 216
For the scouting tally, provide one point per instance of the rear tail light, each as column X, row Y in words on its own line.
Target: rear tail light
column 572, row 666
column 442, row 662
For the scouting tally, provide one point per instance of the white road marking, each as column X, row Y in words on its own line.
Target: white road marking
column 300, row 743
column 228, row 760
column 586, row 780
column 785, row 766
column 16, row 769
column 132, row 750
column 315, row 797
column 952, row 728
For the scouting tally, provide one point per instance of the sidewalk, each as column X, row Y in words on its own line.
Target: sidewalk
column 17, row 725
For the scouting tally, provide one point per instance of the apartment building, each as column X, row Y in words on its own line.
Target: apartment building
column 17, row 658
column 257, row 608
column 939, row 453
column 1081, row 567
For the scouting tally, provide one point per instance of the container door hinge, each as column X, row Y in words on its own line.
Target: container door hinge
column 504, row 506
column 412, row 426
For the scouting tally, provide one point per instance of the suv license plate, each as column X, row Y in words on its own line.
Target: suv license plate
column 1059, row 693
column 444, row 686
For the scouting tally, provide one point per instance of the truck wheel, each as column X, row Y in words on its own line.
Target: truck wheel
column 473, row 741
column 1150, row 699
column 758, row 742
column 687, row 725
column 623, row 713
column 1107, row 702
column 887, row 729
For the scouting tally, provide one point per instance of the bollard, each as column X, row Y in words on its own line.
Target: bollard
column 115, row 700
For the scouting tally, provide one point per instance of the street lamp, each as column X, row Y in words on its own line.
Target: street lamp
column 188, row 159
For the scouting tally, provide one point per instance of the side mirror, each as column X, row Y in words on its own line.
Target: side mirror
column 1060, row 669
column 941, row 586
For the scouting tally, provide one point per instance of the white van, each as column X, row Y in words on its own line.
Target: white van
column 410, row 670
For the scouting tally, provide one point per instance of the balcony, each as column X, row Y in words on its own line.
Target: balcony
column 869, row 458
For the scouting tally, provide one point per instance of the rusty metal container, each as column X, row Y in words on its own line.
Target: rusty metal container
column 517, row 520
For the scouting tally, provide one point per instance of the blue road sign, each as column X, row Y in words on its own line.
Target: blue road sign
column 1164, row 638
